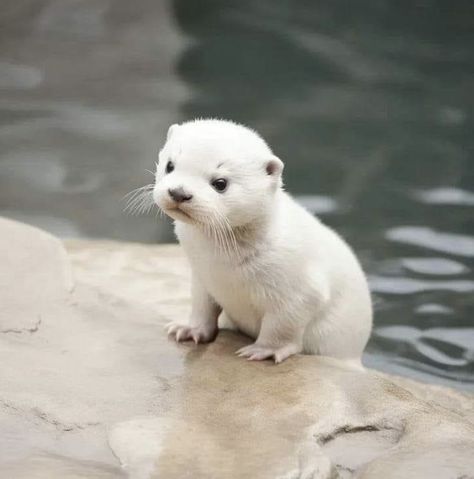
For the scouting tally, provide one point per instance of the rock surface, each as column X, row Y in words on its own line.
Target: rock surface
column 90, row 387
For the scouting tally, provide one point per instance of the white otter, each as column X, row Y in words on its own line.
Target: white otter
column 258, row 258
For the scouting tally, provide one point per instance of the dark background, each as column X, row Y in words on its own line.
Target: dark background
column 369, row 103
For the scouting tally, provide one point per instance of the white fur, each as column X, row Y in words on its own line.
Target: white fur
column 258, row 258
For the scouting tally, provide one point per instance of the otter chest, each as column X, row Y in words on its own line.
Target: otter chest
column 232, row 288
column 237, row 293
column 236, row 289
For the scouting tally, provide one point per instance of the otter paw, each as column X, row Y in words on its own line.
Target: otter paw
column 256, row 352
column 198, row 334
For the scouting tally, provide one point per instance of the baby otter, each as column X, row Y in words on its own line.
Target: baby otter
column 258, row 258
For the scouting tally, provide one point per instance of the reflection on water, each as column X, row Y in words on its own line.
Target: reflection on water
column 446, row 196
column 369, row 104
column 455, row 244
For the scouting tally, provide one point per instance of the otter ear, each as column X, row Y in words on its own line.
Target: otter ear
column 274, row 167
column 171, row 130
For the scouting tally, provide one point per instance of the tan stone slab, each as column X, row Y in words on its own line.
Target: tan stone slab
column 99, row 375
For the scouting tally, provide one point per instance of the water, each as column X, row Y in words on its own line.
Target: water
column 369, row 103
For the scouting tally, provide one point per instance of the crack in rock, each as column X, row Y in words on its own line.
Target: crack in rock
column 349, row 447
column 43, row 416
column 58, row 424
column 345, row 468
column 31, row 330
column 349, row 430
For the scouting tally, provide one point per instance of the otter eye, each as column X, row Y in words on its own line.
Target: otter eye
column 169, row 167
column 219, row 185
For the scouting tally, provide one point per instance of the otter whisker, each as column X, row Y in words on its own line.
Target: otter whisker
column 137, row 191
column 231, row 234
column 135, row 203
column 215, row 227
column 224, row 232
column 211, row 226
column 216, row 230
column 232, row 245
column 217, row 234
column 145, row 206
column 140, row 200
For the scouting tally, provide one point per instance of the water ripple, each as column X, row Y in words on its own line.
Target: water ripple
column 19, row 76
column 433, row 308
column 397, row 285
column 423, row 236
column 433, row 266
column 446, row 346
column 446, row 196
column 317, row 204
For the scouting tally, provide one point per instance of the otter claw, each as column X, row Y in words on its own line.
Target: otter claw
column 186, row 333
column 255, row 352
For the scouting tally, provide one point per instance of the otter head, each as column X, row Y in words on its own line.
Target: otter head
column 213, row 171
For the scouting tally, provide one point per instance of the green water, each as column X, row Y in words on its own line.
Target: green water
column 369, row 103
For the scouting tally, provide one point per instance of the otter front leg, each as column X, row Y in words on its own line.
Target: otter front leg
column 202, row 327
column 281, row 336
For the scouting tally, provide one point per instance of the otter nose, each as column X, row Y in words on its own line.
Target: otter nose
column 179, row 195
